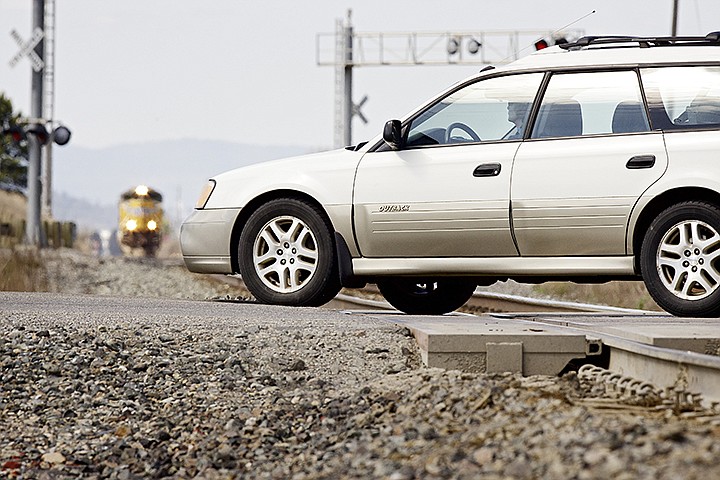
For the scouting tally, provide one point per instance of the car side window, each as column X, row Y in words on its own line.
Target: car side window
column 488, row 110
column 596, row 103
column 683, row 97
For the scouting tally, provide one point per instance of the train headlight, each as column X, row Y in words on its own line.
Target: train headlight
column 152, row 225
column 141, row 190
column 131, row 225
column 205, row 194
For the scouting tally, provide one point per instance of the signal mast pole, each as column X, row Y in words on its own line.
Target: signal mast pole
column 48, row 105
column 347, row 75
column 32, row 228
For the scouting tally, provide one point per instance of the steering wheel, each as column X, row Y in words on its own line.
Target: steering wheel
column 464, row 128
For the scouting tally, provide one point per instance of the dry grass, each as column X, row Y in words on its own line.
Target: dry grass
column 21, row 270
column 13, row 206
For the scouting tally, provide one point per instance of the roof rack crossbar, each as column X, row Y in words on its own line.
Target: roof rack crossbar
column 712, row 38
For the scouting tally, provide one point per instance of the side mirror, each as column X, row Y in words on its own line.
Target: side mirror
column 392, row 134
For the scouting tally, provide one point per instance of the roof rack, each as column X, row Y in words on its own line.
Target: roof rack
column 712, row 38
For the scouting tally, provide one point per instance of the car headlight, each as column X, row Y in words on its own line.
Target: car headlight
column 205, row 194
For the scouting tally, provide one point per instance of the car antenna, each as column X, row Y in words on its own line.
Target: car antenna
column 553, row 33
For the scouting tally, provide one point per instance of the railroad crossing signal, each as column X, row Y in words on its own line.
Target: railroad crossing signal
column 28, row 49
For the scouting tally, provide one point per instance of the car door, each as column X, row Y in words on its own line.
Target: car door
column 446, row 192
column 589, row 158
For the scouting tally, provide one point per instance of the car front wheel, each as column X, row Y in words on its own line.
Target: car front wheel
column 426, row 296
column 287, row 255
column 680, row 259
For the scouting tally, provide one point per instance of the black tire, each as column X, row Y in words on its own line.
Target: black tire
column 680, row 259
column 426, row 296
column 299, row 269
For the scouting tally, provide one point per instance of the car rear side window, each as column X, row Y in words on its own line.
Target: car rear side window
column 591, row 103
column 683, row 97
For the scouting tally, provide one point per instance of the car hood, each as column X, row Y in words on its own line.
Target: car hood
column 326, row 176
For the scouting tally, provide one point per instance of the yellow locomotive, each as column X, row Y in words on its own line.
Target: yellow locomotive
column 141, row 221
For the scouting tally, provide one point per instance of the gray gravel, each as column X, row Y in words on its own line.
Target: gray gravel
column 126, row 386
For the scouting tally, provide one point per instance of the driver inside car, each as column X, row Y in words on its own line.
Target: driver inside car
column 518, row 113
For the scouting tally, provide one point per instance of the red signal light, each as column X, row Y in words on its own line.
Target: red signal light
column 17, row 134
column 40, row 133
column 540, row 44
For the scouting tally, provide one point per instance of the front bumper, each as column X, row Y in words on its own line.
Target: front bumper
column 205, row 240
column 140, row 239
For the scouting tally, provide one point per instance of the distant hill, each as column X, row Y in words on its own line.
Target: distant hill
column 87, row 215
column 87, row 182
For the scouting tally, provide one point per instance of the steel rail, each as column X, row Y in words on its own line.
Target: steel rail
column 501, row 302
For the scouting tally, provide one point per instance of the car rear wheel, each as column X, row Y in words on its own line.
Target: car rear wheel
column 287, row 254
column 680, row 259
column 426, row 296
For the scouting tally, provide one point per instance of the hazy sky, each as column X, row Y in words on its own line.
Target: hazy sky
column 234, row 70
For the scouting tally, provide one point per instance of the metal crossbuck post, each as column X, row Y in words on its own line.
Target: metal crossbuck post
column 27, row 49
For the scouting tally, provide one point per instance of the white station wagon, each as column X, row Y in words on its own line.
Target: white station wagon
column 592, row 161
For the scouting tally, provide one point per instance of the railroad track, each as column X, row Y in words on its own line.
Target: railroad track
column 687, row 380
column 692, row 379
column 370, row 298
column 482, row 302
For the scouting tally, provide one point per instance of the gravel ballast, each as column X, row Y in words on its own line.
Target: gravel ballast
column 124, row 371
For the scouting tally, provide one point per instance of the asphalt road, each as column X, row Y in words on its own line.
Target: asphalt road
column 345, row 349
column 86, row 307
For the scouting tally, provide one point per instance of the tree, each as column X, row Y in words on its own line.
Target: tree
column 13, row 152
